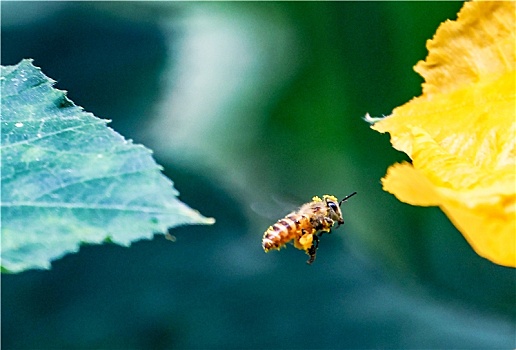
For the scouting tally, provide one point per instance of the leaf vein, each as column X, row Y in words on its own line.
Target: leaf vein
column 47, row 135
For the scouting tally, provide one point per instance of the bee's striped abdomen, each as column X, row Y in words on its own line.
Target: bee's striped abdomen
column 291, row 227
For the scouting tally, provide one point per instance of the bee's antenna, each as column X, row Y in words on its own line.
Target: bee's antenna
column 346, row 198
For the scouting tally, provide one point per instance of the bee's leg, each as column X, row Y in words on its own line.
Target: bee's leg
column 322, row 228
column 327, row 229
column 312, row 250
column 330, row 223
column 323, row 231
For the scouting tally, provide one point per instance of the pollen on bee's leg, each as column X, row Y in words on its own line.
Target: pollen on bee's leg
column 305, row 241
column 313, row 250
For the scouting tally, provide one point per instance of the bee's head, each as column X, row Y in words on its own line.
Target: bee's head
column 334, row 207
column 334, row 211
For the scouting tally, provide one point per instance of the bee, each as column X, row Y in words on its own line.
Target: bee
column 306, row 225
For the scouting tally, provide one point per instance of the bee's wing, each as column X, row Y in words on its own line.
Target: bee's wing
column 273, row 209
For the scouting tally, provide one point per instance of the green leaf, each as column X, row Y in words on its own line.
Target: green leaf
column 68, row 179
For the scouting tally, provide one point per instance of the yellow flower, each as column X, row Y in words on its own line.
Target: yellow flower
column 460, row 134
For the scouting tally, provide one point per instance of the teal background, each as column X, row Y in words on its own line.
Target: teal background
column 252, row 109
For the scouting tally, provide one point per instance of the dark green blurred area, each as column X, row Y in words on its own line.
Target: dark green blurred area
column 266, row 101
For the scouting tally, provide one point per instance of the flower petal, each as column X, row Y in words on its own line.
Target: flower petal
column 480, row 44
column 460, row 134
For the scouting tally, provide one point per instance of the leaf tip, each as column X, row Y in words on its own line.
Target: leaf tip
column 210, row 221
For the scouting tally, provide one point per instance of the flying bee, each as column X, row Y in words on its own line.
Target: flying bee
column 306, row 225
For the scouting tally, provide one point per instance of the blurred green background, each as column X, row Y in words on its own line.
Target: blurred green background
column 253, row 108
